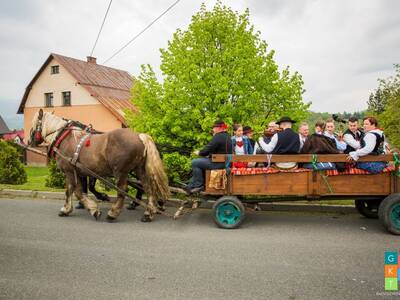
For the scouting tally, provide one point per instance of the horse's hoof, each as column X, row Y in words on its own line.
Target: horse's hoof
column 62, row 214
column 110, row 219
column 97, row 215
column 146, row 218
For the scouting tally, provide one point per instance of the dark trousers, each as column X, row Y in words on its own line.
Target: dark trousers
column 199, row 166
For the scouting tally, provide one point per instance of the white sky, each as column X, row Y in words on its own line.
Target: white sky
column 339, row 47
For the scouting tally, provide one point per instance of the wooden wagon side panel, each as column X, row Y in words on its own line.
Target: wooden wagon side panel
column 357, row 185
column 293, row 184
column 212, row 191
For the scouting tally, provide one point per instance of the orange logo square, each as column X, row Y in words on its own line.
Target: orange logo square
column 391, row 271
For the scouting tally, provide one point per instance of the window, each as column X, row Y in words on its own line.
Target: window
column 66, row 96
column 48, row 99
column 55, row 69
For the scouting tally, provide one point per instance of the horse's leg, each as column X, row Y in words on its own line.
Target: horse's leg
column 92, row 188
column 88, row 203
column 116, row 207
column 150, row 210
column 67, row 208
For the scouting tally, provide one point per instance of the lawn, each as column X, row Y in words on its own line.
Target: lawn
column 36, row 181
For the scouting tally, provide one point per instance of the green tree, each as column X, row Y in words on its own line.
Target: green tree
column 389, row 116
column 11, row 169
column 218, row 68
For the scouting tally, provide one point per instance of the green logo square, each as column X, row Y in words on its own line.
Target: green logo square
column 391, row 284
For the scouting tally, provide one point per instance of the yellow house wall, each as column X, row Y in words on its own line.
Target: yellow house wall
column 56, row 84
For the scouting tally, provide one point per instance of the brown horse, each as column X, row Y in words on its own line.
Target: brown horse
column 114, row 153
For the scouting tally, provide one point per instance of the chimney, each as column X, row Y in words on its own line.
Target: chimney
column 91, row 59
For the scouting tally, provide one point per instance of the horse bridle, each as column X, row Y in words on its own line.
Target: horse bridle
column 36, row 135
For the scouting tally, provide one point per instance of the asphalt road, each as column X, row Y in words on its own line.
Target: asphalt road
column 275, row 255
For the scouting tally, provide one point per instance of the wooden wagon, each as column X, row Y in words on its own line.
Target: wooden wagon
column 376, row 195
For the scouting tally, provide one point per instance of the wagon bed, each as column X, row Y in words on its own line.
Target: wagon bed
column 369, row 190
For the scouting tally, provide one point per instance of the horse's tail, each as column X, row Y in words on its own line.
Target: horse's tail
column 155, row 177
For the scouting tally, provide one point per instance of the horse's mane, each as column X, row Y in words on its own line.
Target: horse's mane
column 319, row 144
column 50, row 124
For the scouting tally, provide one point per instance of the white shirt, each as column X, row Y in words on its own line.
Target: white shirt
column 341, row 146
column 351, row 141
column 370, row 142
column 271, row 145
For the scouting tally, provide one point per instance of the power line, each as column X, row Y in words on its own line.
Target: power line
column 141, row 32
column 101, row 28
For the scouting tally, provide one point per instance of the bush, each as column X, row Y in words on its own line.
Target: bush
column 11, row 169
column 178, row 167
column 56, row 178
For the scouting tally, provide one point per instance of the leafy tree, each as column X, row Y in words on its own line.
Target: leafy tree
column 11, row 169
column 389, row 114
column 218, row 68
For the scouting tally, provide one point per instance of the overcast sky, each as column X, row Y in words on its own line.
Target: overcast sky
column 340, row 47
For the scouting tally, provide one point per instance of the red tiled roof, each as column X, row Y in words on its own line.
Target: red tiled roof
column 111, row 87
column 12, row 135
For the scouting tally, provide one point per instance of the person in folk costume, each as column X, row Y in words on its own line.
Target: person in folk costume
column 221, row 143
column 330, row 133
column 319, row 127
column 240, row 145
column 372, row 143
column 267, row 136
column 303, row 133
column 286, row 141
column 248, row 131
column 352, row 136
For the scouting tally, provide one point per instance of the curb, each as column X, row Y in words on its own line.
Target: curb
column 265, row 206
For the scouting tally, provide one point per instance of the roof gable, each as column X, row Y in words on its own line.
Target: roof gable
column 109, row 86
column 3, row 126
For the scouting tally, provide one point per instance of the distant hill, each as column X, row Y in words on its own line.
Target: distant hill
column 315, row 116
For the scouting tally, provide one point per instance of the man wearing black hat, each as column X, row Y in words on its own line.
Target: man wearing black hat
column 285, row 141
column 220, row 144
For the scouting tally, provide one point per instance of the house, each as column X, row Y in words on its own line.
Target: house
column 3, row 127
column 77, row 90
column 15, row 135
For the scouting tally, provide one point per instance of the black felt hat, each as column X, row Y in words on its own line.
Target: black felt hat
column 285, row 119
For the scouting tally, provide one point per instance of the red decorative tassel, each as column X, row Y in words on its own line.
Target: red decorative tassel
column 87, row 143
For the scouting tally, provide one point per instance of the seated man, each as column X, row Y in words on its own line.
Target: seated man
column 220, row 144
column 371, row 143
column 267, row 136
column 285, row 141
column 303, row 133
column 330, row 133
column 352, row 136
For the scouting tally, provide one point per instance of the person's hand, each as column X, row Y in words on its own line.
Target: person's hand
column 349, row 158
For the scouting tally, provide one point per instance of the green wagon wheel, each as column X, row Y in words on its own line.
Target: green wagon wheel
column 228, row 212
column 395, row 216
column 389, row 213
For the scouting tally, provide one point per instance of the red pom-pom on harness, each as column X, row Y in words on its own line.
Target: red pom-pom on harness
column 87, row 143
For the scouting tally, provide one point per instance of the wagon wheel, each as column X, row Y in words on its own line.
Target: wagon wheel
column 228, row 212
column 368, row 207
column 389, row 213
